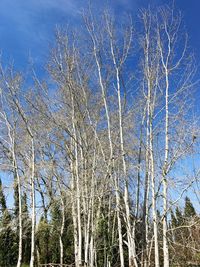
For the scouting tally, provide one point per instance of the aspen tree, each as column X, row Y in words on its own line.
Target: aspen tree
column 12, row 145
column 90, row 25
column 151, row 68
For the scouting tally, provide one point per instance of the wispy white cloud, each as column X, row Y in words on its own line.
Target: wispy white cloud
column 27, row 26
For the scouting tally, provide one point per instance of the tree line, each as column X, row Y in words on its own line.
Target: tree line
column 102, row 148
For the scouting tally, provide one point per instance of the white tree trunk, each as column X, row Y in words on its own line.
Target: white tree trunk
column 153, row 191
column 15, row 167
column 165, row 62
column 111, row 161
column 19, row 262
column 130, row 229
column 61, row 245
column 77, row 184
column 150, row 68
column 121, row 252
column 74, row 217
column 165, row 241
column 33, row 215
column 62, row 231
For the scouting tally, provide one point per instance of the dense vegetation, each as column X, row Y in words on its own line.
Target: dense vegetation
column 102, row 150
column 183, row 237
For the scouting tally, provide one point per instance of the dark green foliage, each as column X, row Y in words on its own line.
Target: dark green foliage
column 16, row 198
column 42, row 240
column 107, row 237
column 174, row 222
column 48, row 235
column 8, row 251
column 179, row 217
column 55, row 225
column 2, row 198
column 68, row 240
column 189, row 210
column 8, row 246
column 103, row 239
column 26, row 226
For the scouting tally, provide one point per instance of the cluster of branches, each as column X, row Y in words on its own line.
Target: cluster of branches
column 101, row 143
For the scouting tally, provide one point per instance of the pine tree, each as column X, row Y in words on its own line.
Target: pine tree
column 173, row 220
column 26, row 224
column 42, row 240
column 16, row 199
column 179, row 217
column 2, row 198
column 189, row 210
column 55, row 226
column 8, row 251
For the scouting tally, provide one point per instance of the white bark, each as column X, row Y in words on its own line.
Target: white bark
column 16, row 174
column 19, row 261
column 164, row 171
column 117, row 67
column 62, row 220
column 111, row 163
column 62, row 231
column 74, row 215
column 33, row 214
column 119, row 222
column 150, row 73
column 77, row 184
column 165, row 208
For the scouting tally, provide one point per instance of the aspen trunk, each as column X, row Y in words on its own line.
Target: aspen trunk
column 130, row 230
column 165, row 62
column 62, row 231
column 165, row 241
column 111, row 161
column 145, row 217
column 15, row 167
column 74, row 217
column 90, row 213
column 151, row 81
column 77, row 185
column 153, row 191
column 121, row 253
column 19, row 262
column 33, row 219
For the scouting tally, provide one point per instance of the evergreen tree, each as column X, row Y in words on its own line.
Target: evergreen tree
column 173, row 220
column 189, row 210
column 26, row 224
column 16, row 199
column 42, row 240
column 179, row 217
column 55, row 226
column 8, row 249
column 2, row 198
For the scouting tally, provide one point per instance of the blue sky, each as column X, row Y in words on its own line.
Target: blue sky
column 27, row 26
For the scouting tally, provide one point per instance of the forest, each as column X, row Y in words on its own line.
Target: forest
column 99, row 155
